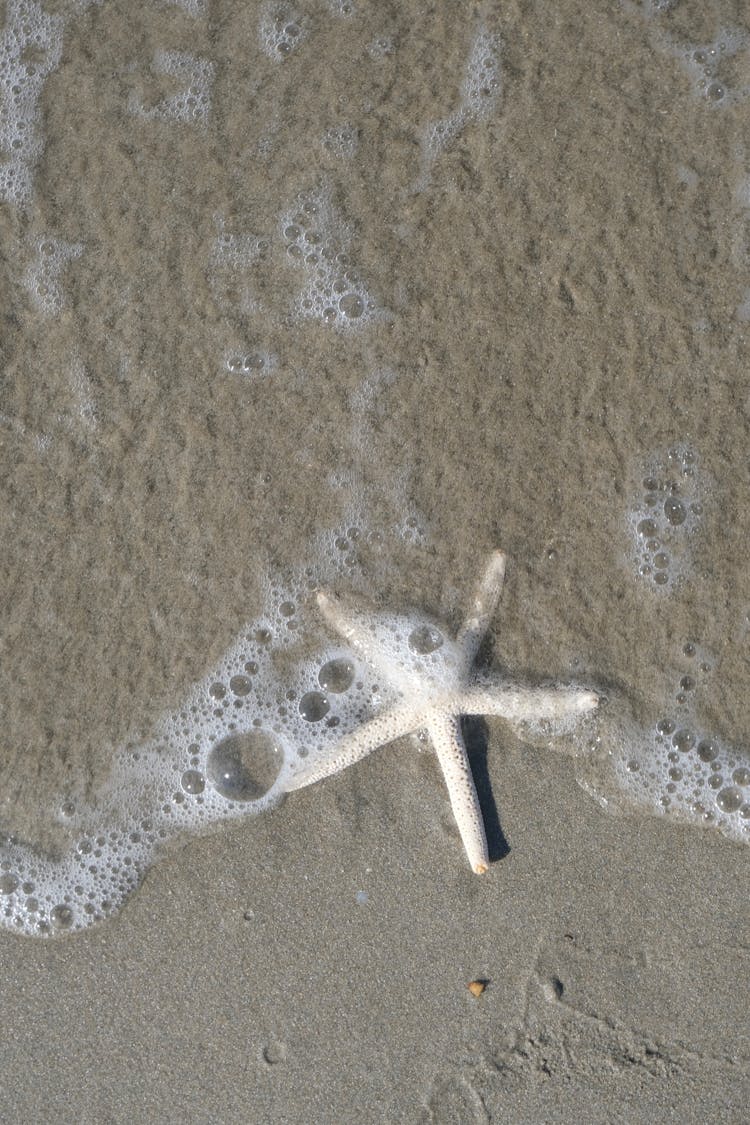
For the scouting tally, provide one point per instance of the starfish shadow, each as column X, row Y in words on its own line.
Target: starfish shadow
column 476, row 737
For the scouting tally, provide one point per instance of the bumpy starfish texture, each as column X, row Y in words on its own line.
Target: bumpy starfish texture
column 433, row 681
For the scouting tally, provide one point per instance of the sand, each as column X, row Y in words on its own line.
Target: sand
column 246, row 982
column 559, row 301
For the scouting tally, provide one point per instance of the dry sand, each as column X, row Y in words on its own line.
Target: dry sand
column 560, row 305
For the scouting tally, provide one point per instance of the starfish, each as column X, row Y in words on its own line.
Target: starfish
column 432, row 678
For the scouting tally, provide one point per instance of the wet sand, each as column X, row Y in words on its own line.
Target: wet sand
column 559, row 301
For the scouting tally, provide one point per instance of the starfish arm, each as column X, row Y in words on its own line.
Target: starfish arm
column 483, row 607
column 445, row 732
column 517, row 704
column 378, row 731
column 351, row 630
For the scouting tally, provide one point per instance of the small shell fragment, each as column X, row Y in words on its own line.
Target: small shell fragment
column 476, row 987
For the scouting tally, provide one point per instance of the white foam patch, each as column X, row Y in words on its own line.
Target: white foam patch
column 651, row 8
column 481, row 86
column 272, row 702
column 195, row 8
column 705, row 64
column 673, row 769
column 192, row 103
column 30, row 49
column 381, row 47
column 43, row 277
column 317, row 240
column 480, row 92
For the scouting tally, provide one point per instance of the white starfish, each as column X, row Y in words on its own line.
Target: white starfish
column 432, row 677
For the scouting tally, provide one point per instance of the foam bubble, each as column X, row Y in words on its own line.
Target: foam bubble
column 243, row 767
column 314, row 705
column 193, row 782
column 425, row 639
column 336, row 675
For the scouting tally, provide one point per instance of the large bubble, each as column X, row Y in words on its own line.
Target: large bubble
column 243, row 767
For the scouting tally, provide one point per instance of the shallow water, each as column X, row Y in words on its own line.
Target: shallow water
column 349, row 295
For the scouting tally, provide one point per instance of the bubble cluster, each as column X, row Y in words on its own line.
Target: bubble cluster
column 341, row 141
column 281, row 30
column 283, row 696
column 254, row 363
column 30, row 49
column 235, row 251
column 381, row 47
column 481, row 85
column 706, row 63
column 226, row 753
column 43, row 897
column 317, row 241
column 42, row 279
column 706, row 66
column 191, row 104
column 676, row 767
column 668, row 509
